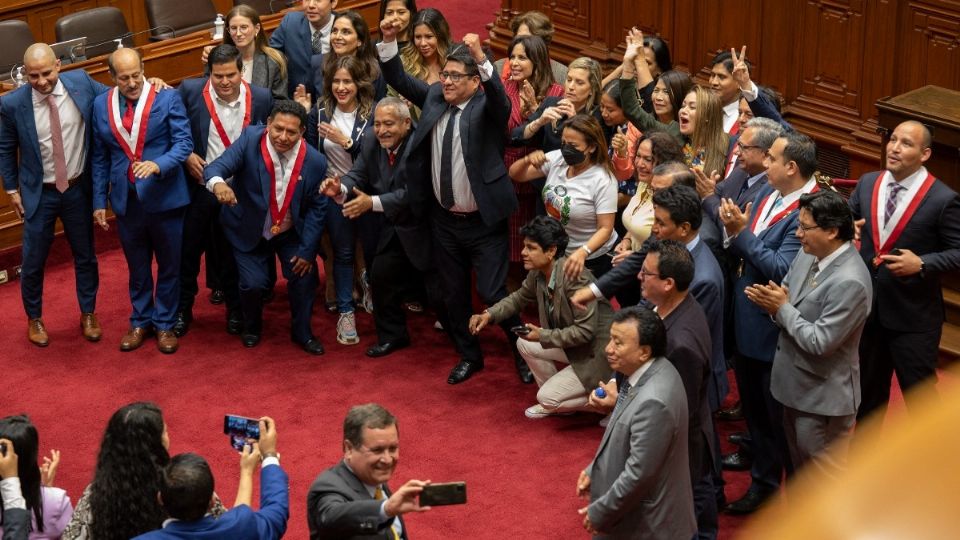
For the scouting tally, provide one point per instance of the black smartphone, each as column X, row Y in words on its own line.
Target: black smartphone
column 520, row 330
column 444, row 494
column 896, row 251
column 240, row 428
column 3, row 449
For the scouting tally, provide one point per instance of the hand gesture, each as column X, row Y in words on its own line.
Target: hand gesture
column 528, row 98
column 250, row 457
column 582, row 297
column 195, row 165
column 907, row 263
column 574, row 264
column 741, row 72
column 536, row 158
column 619, row 144
column 301, row 96
column 734, row 221
column 405, row 500
column 268, row 435
column 620, row 257
column 566, row 108
column 329, row 131
column 478, row 322
column 357, row 206
column 551, row 115
column 143, row 169
column 100, row 218
column 706, row 185
column 158, row 83
column 583, row 485
column 48, row 470
column 634, row 44
column 206, row 53
column 767, row 297
column 224, row 194
column 533, row 335
column 604, row 404
column 331, row 186
column 389, row 28
column 472, row 41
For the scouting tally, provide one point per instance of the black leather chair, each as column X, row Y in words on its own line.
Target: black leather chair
column 265, row 7
column 173, row 18
column 99, row 25
column 16, row 36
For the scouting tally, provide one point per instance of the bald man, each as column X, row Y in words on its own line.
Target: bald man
column 142, row 139
column 44, row 161
column 909, row 237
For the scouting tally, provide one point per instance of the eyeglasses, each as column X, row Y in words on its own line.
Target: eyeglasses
column 454, row 76
column 804, row 228
column 743, row 147
column 644, row 275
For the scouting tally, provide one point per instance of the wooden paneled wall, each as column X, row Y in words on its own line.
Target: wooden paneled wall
column 830, row 59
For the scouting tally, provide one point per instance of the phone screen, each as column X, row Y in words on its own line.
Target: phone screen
column 240, row 429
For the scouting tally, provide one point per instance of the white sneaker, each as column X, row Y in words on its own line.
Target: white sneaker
column 437, row 326
column 536, row 412
column 367, row 295
column 347, row 330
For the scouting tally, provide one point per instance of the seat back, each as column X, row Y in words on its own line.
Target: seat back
column 16, row 36
column 99, row 25
column 172, row 18
column 265, row 7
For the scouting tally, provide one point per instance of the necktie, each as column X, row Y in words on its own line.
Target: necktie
column 315, row 44
column 446, row 161
column 622, row 396
column 893, row 194
column 379, row 495
column 56, row 138
column 391, row 157
column 127, row 119
column 812, row 278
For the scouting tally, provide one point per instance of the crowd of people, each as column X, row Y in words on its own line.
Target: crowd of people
column 424, row 173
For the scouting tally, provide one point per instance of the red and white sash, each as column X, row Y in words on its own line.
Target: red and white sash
column 291, row 178
column 758, row 225
column 884, row 239
column 131, row 142
column 212, row 109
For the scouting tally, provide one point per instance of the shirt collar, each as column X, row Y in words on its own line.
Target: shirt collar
column 289, row 154
column 753, row 179
column 635, row 378
column 693, row 243
column 732, row 109
column 824, row 262
column 58, row 90
column 909, row 181
column 795, row 195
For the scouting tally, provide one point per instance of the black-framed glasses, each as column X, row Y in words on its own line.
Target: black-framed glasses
column 743, row 147
column 804, row 228
column 454, row 76
column 644, row 274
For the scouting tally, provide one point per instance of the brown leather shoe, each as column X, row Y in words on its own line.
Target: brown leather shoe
column 133, row 338
column 37, row 333
column 167, row 341
column 90, row 327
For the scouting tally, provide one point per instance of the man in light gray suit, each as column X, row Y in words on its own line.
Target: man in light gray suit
column 639, row 481
column 821, row 310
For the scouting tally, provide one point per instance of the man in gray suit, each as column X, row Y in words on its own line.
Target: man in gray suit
column 821, row 309
column 351, row 499
column 639, row 481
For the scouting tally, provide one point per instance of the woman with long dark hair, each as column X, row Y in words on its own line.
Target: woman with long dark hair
column 50, row 506
column 121, row 502
column 404, row 11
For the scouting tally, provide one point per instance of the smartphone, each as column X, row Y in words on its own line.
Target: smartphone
column 444, row 494
column 896, row 251
column 3, row 449
column 240, row 428
column 520, row 330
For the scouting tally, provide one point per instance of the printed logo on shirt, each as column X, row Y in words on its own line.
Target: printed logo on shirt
column 557, row 203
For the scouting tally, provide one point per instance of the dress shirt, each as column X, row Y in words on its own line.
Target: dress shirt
column 912, row 184
column 374, row 199
column 11, row 494
column 372, row 490
column 731, row 112
column 72, row 129
column 324, row 34
column 231, row 117
column 823, row 263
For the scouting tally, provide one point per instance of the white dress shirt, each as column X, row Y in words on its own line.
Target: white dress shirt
column 324, row 34
column 71, row 127
column 912, row 183
column 731, row 112
column 231, row 118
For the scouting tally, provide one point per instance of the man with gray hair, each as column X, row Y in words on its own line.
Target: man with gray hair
column 396, row 242
column 352, row 499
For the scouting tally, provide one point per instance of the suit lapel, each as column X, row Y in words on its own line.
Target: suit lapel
column 25, row 114
column 626, row 404
column 751, row 192
column 825, row 273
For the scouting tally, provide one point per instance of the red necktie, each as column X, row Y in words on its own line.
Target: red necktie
column 391, row 157
column 56, row 139
column 128, row 115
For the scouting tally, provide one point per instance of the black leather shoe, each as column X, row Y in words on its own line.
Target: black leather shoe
column 234, row 322
column 182, row 323
column 463, row 371
column 736, row 461
column 523, row 370
column 216, row 297
column 383, row 349
column 313, row 346
column 748, row 503
column 740, row 438
column 250, row 340
column 732, row 414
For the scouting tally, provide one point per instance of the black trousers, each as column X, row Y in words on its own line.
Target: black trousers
column 883, row 352
column 764, row 416
column 202, row 233
column 463, row 243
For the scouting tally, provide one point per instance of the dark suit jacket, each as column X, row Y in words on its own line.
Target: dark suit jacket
column 16, row 524
column 18, row 132
column 483, row 124
column 766, row 257
column 252, row 184
column 914, row 303
column 292, row 38
column 266, row 74
column 168, row 144
column 729, row 188
column 340, row 507
column 707, row 288
column 373, row 175
column 316, row 116
column 547, row 138
column 241, row 522
column 191, row 91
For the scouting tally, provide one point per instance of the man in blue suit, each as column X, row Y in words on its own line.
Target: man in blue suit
column 219, row 108
column 763, row 235
column 142, row 139
column 301, row 36
column 186, row 493
column 274, row 207
column 48, row 125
